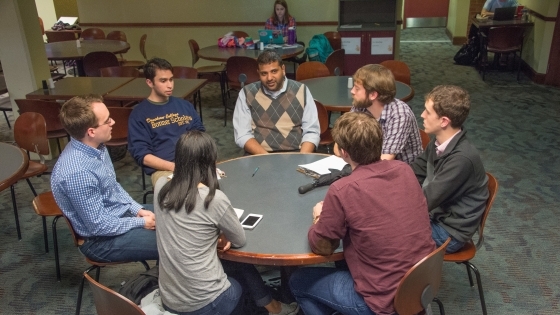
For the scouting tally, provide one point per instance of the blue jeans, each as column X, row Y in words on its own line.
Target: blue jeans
column 323, row 290
column 134, row 245
column 440, row 235
column 222, row 305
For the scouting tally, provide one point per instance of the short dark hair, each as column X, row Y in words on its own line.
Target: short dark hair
column 155, row 64
column 77, row 116
column 452, row 102
column 360, row 135
column 377, row 78
column 195, row 162
column 269, row 56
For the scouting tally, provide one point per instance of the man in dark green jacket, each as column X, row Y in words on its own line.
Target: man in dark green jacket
column 450, row 169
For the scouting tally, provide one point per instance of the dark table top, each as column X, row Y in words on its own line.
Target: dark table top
column 67, row 88
column 491, row 23
column 68, row 50
column 216, row 53
column 14, row 164
column 334, row 94
column 280, row 238
column 138, row 90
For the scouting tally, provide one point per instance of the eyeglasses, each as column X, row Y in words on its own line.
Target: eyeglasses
column 107, row 122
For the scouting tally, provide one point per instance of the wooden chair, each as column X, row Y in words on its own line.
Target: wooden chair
column 117, row 35
column 311, row 69
column 119, row 133
column 334, row 39
column 97, row 60
column 50, row 111
column 189, row 73
column 120, row 71
column 138, row 63
column 45, row 206
column 400, row 70
column 109, row 302
column 30, row 134
column 235, row 66
column 420, row 285
column 425, row 139
column 209, row 72
column 326, row 137
column 240, row 34
column 502, row 41
column 465, row 254
column 93, row 33
column 336, row 60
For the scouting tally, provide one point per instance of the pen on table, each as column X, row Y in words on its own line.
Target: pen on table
column 255, row 172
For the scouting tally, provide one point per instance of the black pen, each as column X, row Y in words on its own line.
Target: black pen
column 255, row 172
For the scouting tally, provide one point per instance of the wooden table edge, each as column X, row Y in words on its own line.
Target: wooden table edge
column 279, row 259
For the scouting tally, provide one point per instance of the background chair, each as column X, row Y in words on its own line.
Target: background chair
column 425, row 139
column 45, row 206
column 209, row 72
column 502, row 41
column 109, row 302
column 334, row 39
column 336, row 60
column 120, row 71
column 235, row 66
column 138, row 63
column 119, row 133
column 326, row 137
column 117, row 35
column 49, row 110
column 30, row 134
column 61, row 36
column 400, row 70
column 189, row 73
column 93, row 33
column 465, row 254
column 419, row 286
column 97, row 60
column 312, row 69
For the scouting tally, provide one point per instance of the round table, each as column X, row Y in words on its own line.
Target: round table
column 14, row 165
column 221, row 54
column 280, row 239
column 68, row 50
column 334, row 94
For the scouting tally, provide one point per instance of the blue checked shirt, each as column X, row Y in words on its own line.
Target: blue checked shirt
column 400, row 131
column 85, row 188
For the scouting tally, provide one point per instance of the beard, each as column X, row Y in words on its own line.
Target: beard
column 365, row 103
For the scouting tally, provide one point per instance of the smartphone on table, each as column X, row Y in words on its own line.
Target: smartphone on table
column 251, row 220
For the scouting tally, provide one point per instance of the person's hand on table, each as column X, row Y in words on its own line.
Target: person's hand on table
column 149, row 219
column 317, row 211
column 223, row 243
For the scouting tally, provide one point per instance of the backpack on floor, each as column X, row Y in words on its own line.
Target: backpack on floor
column 138, row 287
column 319, row 48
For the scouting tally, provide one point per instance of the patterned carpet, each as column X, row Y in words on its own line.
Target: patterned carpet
column 514, row 125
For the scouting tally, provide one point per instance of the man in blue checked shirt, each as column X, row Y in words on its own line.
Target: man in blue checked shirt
column 84, row 184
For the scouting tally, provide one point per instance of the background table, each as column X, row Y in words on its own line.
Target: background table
column 68, row 50
column 491, row 23
column 334, row 94
column 14, row 165
column 138, row 90
column 221, row 54
column 67, row 88
column 280, row 239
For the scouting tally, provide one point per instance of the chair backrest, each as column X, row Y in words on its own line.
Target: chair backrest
column 185, row 72
column 117, row 35
column 97, row 60
column 323, row 116
column 335, row 40
column 109, row 302
column 59, row 36
column 505, row 38
column 194, row 51
column 311, row 69
column 237, row 65
column 120, row 129
column 492, row 190
column 93, row 33
column 120, row 71
column 48, row 109
column 420, row 284
column 400, row 70
column 143, row 46
column 425, row 139
column 240, row 34
column 336, row 60
column 42, row 26
column 30, row 133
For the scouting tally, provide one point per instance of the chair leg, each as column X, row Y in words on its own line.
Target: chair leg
column 45, row 235
column 440, row 305
column 55, row 245
column 14, row 204
column 81, row 290
column 143, row 262
column 31, row 186
column 58, row 144
column 145, row 197
column 7, row 120
column 479, row 284
column 143, row 179
column 470, row 276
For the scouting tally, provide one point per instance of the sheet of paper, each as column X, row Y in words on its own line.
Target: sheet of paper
column 239, row 212
column 381, row 45
column 351, row 45
column 322, row 166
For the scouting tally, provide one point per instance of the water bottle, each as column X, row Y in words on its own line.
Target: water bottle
column 291, row 35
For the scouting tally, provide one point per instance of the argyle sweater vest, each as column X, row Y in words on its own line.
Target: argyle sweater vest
column 276, row 123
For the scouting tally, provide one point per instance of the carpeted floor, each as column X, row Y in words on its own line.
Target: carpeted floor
column 514, row 125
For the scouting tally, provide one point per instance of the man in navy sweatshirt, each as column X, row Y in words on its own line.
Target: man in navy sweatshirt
column 157, row 122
